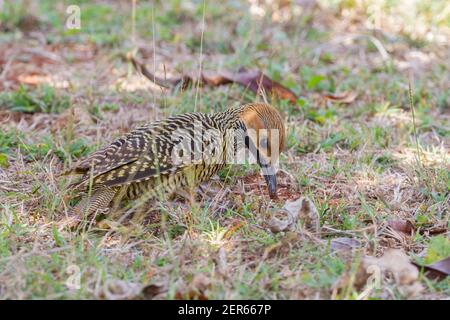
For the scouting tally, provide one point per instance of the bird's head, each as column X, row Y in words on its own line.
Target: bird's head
column 265, row 138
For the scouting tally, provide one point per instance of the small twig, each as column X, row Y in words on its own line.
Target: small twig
column 54, row 58
column 140, row 67
column 353, row 232
column 377, row 43
column 9, row 189
column 7, row 67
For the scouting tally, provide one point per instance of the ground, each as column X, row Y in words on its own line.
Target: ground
column 371, row 165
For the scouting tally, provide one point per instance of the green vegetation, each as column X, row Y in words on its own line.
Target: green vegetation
column 43, row 99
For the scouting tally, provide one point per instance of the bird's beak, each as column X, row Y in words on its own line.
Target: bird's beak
column 270, row 175
column 271, row 180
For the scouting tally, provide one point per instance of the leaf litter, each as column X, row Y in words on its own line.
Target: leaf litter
column 302, row 209
column 254, row 80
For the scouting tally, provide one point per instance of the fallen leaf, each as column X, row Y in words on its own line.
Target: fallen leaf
column 438, row 270
column 344, row 244
column 276, row 225
column 404, row 226
column 411, row 290
column 221, row 262
column 153, row 291
column 283, row 246
column 33, row 79
column 289, row 213
column 435, row 230
column 116, row 289
column 370, row 271
column 309, row 216
column 254, row 80
column 352, row 278
column 303, row 209
column 398, row 263
column 195, row 290
column 343, row 97
column 29, row 23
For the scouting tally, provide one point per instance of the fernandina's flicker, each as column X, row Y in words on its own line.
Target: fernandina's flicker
column 177, row 153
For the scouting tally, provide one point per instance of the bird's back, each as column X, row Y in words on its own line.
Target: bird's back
column 162, row 148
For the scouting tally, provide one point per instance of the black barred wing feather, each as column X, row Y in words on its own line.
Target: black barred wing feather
column 163, row 147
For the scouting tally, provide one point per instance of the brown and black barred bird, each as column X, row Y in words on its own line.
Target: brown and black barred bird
column 180, row 152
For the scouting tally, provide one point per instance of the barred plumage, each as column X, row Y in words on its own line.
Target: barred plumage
column 154, row 160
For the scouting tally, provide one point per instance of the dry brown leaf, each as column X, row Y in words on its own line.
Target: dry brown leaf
column 439, row 228
column 254, row 80
column 398, row 263
column 153, row 291
column 309, row 216
column 282, row 246
column 303, row 209
column 195, row 290
column 411, row 290
column 221, row 262
column 343, row 97
column 438, row 270
column 276, row 225
column 119, row 289
column 405, row 274
column 116, row 289
column 352, row 278
column 289, row 213
column 370, row 271
column 29, row 23
column 404, row 226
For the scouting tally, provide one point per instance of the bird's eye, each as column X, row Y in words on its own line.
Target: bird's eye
column 264, row 143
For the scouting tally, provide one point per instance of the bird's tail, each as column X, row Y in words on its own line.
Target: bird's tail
column 97, row 201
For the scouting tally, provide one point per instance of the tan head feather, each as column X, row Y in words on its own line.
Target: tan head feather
column 267, row 127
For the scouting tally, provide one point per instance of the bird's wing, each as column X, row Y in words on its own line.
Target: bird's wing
column 144, row 153
column 118, row 153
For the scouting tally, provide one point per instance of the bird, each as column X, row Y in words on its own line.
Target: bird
column 180, row 152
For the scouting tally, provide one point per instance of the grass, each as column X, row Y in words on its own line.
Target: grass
column 43, row 100
column 356, row 162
